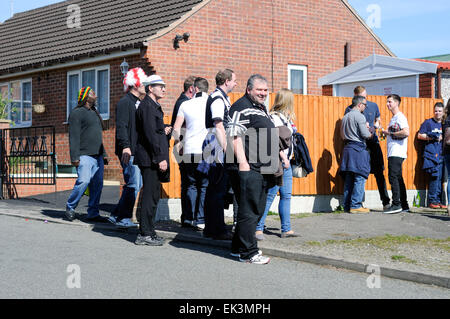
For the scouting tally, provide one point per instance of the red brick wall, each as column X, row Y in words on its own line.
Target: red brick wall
column 327, row 90
column 426, row 85
column 20, row 191
column 239, row 35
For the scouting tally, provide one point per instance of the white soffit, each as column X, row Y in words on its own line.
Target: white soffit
column 376, row 67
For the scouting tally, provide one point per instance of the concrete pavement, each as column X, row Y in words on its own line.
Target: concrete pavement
column 411, row 246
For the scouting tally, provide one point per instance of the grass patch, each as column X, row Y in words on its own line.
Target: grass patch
column 388, row 241
column 403, row 259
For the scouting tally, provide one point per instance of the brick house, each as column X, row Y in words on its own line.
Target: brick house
column 48, row 53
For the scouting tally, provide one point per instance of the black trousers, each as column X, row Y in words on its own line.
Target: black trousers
column 215, row 201
column 398, row 188
column 252, row 202
column 151, row 193
column 377, row 168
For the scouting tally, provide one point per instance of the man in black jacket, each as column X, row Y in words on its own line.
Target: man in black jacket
column 87, row 154
column 126, row 137
column 152, row 157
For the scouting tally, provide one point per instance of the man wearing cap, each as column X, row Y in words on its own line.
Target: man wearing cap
column 87, row 154
column 126, row 137
column 152, row 157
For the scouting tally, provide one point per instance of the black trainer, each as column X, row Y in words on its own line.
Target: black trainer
column 149, row 240
column 70, row 214
column 393, row 210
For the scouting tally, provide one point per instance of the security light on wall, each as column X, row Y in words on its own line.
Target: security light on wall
column 124, row 67
column 178, row 38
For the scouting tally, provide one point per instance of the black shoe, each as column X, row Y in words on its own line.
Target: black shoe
column 149, row 240
column 393, row 210
column 405, row 209
column 98, row 219
column 70, row 214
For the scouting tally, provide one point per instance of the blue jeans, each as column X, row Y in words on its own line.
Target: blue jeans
column 284, row 206
column 90, row 173
column 435, row 186
column 133, row 183
column 197, row 184
column 353, row 190
column 447, row 164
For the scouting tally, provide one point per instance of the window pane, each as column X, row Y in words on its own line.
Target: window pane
column 102, row 92
column 26, row 112
column 15, row 87
column 73, row 91
column 15, row 112
column 26, row 91
column 88, row 79
column 297, row 81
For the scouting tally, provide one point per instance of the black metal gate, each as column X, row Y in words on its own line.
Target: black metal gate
column 27, row 158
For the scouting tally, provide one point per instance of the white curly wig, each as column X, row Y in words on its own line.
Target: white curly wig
column 134, row 78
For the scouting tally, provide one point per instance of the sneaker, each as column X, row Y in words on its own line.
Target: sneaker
column 256, row 259
column 393, row 210
column 238, row 255
column 112, row 219
column 288, row 235
column 405, row 210
column 126, row 223
column 200, row 227
column 360, row 210
column 149, row 240
column 70, row 214
column 435, row 206
column 386, row 207
column 443, row 206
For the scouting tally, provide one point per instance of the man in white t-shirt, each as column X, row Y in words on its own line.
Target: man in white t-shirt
column 397, row 144
column 192, row 112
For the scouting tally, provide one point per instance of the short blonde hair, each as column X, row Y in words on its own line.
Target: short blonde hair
column 284, row 104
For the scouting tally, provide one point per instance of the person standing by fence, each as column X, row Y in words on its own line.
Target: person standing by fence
column 282, row 113
column 433, row 163
column 397, row 145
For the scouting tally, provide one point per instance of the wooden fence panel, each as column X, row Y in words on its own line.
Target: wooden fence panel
column 318, row 118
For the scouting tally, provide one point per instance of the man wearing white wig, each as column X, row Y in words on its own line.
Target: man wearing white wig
column 126, row 137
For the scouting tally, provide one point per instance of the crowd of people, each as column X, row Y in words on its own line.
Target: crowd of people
column 240, row 153
column 362, row 154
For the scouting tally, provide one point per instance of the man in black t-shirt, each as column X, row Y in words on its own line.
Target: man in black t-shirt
column 255, row 146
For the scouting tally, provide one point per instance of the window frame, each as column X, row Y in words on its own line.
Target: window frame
column 79, row 72
column 21, row 101
column 299, row 67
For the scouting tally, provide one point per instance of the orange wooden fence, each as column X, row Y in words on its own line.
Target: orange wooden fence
column 318, row 120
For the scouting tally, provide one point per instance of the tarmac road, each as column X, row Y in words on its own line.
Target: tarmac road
column 48, row 260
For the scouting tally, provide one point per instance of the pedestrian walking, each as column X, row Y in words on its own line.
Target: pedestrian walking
column 126, row 138
column 397, row 146
column 152, row 157
column 282, row 113
column 87, row 154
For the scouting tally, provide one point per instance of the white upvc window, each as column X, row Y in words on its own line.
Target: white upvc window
column 98, row 79
column 298, row 79
column 20, row 109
